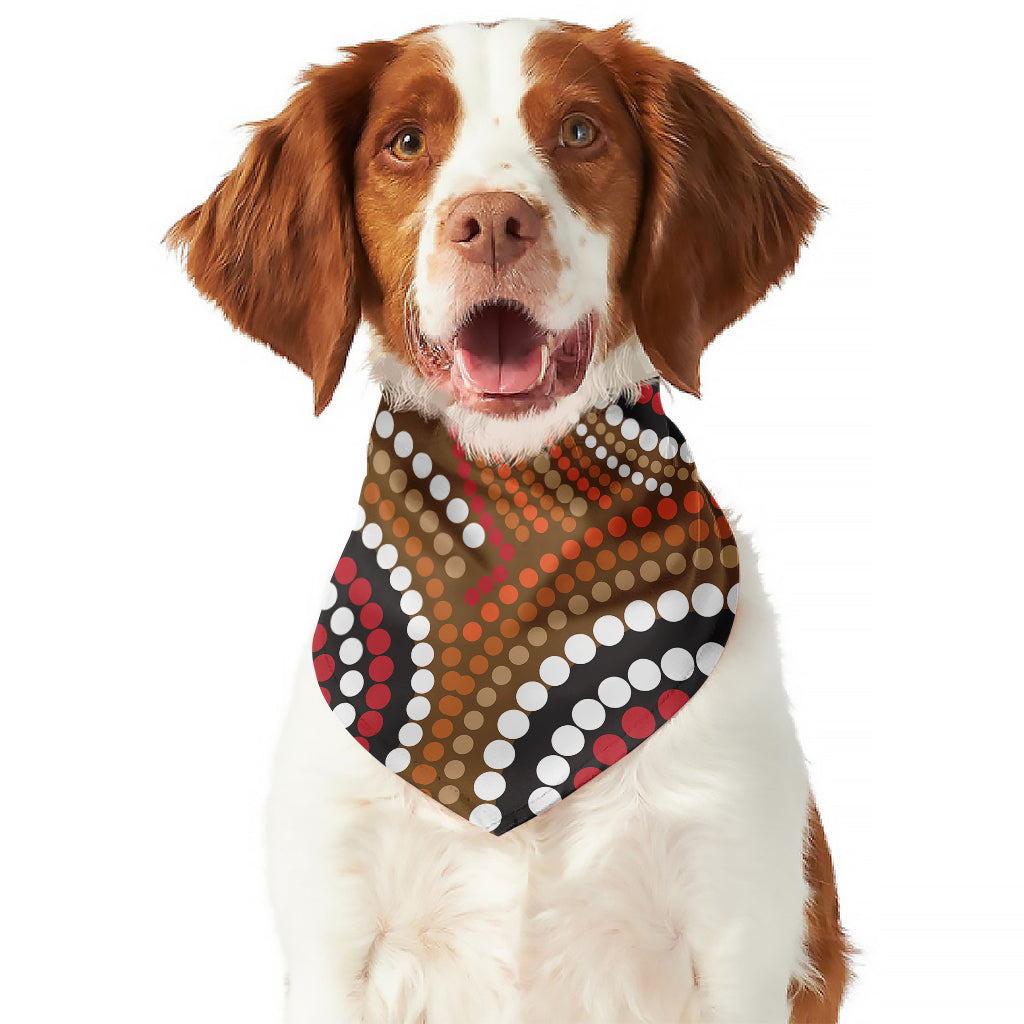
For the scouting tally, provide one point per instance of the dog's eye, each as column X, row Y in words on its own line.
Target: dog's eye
column 409, row 144
column 577, row 132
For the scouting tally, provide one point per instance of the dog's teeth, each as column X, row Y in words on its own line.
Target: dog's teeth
column 545, row 358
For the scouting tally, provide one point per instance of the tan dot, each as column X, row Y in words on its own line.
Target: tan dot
column 602, row 591
column 670, row 470
column 730, row 556
column 542, row 464
column 624, row 580
column 429, row 521
column 552, row 479
column 443, row 543
column 462, row 744
column 448, row 794
column 537, row 636
column 398, row 480
column 702, row 558
column 486, row 697
column 473, row 719
column 600, row 428
column 519, row 655
column 620, row 446
column 501, row 675
column 650, row 571
column 675, row 563
column 557, row 619
column 578, row 506
column 455, row 567
column 413, row 500
column 655, row 466
column 642, row 461
column 578, row 604
column 456, row 769
column 381, row 462
column 565, row 493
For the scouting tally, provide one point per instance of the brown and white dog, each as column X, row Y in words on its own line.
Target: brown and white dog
column 607, row 213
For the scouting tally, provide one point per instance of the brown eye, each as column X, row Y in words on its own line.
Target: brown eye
column 409, row 144
column 577, row 132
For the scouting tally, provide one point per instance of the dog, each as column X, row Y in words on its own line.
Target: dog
column 539, row 223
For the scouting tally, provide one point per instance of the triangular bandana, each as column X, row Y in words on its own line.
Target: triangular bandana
column 499, row 635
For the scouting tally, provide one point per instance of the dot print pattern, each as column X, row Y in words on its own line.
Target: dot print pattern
column 499, row 635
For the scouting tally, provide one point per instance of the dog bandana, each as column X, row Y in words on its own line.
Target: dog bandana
column 499, row 635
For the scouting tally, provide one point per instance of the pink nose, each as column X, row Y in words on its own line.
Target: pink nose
column 492, row 227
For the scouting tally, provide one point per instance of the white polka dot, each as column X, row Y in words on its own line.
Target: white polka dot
column 684, row 452
column 677, row 664
column 473, row 535
column 667, row 447
column 707, row 656
column 372, row 535
column 360, row 519
column 639, row 616
column 591, row 441
column 342, row 620
column 457, row 510
column 513, row 724
column 387, row 556
column 542, row 798
column 588, row 714
column 637, row 477
column 410, row 734
column 629, row 429
column 350, row 651
column 351, row 682
column 384, row 423
column 581, row 429
column 601, row 451
column 411, row 602
column 614, row 691
column 648, row 439
column 499, row 754
column 403, row 444
column 400, row 578
column 330, row 597
column 554, row 671
column 673, row 606
column 624, row 469
column 707, row 599
column 346, row 713
column 580, row 649
column 485, row 816
column 397, row 759
column 440, row 488
column 421, row 464
column 552, row 770
column 608, row 630
column 651, row 483
column 418, row 627
column 422, row 680
column 734, row 597
column 417, row 708
column 568, row 740
column 665, row 488
column 644, row 674
column 613, row 461
column 532, row 696
column 614, row 414
column 422, row 654
column 489, row 786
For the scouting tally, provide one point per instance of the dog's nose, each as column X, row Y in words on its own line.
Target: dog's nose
column 493, row 227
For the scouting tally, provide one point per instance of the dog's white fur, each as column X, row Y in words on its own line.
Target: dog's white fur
column 674, row 880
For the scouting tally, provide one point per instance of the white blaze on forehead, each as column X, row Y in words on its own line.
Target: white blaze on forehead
column 493, row 152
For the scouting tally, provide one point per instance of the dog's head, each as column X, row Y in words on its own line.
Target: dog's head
column 524, row 213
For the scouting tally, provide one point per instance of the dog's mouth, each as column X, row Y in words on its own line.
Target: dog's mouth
column 501, row 360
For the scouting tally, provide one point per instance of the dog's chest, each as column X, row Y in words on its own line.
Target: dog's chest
column 499, row 635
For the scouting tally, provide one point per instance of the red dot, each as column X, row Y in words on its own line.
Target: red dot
column 693, row 502
column 593, row 494
column 486, row 584
column 667, row 508
column 381, row 668
column 371, row 615
column 646, row 390
column 486, row 520
column 464, row 470
column 326, row 693
column 593, row 537
column 346, row 570
column 470, row 487
column 670, row 702
column 617, row 526
column 636, row 722
column 370, row 723
column 472, row 596
column 506, row 552
column 609, row 748
column 641, row 516
column 359, row 592
column 377, row 696
column 584, row 775
column 495, row 537
column 605, row 501
column 378, row 641
column 573, row 473
column 500, row 574
column 319, row 637
column 323, row 666
column 476, row 505
column 656, row 404
column 363, row 742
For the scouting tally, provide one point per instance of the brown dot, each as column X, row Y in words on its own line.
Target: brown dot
column 448, row 794
column 486, row 697
column 650, row 541
column 424, row 774
column 478, row 664
column 624, row 580
column 456, row 769
column 442, row 728
column 557, row 619
column 443, row 544
column 462, row 744
column 493, row 646
column 605, row 559
column 429, row 521
column 455, row 567
column 578, row 604
column 519, row 655
column 564, row 582
column 675, row 563
column 473, row 719
column 602, row 591
column 730, row 556
column 501, row 675
column 448, row 633
column 527, row 611
column 413, row 500
column 449, row 705
column 650, row 570
column 381, row 462
column 433, row 751
column 545, row 597
column 397, row 481
column 371, row 492
column 537, row 636
column 585, row 571
column 703, row 559
column 434, row 588
column 442, row 610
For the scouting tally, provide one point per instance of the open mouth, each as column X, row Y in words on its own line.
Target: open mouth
column 502, row 360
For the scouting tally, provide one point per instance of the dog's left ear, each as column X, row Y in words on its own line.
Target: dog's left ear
column 275, row 245
column 723, row 219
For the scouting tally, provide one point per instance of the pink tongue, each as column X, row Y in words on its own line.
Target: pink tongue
column 500, row 350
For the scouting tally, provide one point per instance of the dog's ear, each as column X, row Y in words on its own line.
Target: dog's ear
column 275, row 245
column 723, row 219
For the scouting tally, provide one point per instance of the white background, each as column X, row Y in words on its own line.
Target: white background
column 172, row 507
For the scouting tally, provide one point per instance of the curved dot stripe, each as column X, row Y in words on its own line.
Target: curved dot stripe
column 499, row 635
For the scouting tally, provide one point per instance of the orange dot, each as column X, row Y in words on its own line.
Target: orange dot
column 617, row 526
column 433, row 751
column 627, row 550
column 448, row 633
column 400, row 526
column 522, row 534
column 489, row 612
column 472, row 631
column 424, row 774
column 527, row 611
column 545, row 597
column 520, row 499
column 528, row 578
column 555, row 451
column 450, row 680
column 511, row 486
column 568, row 524
column 604, row 480
column 478, row 665
column 371, row 492
column 605, row 502
column 627, row 493
column 615, row 487
column 449, row 705
column 451, row 656
column 546, row 501
column 502, row 507
column 540, row 524
column 593, row 537
column 675, row 535
column 487, row 475
column 699, row 530
column 585, row 571
column 511, row 520
column 641, row 516
column 650, row 541
column 494, row 492
column 442, row 728
column 386, row 509
column 503, row 471
column 557, row 513
column 667, row 508
column 442, row 610
column 508, row 594
column 694, row 501
column 435, row 588
column 493, row 646
column 549, row 562
column 722, row 527
column 466, row 685
column 570, row 549
column 413, row 547
column 605, row 559
column 537, row 489
column 529, row 513
column 564, row 582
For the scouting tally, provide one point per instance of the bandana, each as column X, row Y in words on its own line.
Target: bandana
column 498, row 635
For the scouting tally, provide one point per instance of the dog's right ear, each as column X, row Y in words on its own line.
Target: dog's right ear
column 275, row 245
